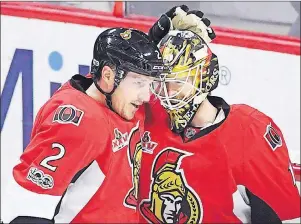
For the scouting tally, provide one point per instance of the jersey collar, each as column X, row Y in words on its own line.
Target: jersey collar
column 191, row 133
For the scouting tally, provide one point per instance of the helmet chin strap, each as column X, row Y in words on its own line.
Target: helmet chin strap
column 119, row 76
column 107, row 95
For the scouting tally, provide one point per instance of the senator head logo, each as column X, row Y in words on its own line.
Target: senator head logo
column 171, row 199
column 126, row 34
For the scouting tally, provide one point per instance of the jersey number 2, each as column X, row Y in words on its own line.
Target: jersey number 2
column 45, row 161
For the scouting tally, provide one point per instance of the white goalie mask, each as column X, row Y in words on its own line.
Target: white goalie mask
column 193, row 73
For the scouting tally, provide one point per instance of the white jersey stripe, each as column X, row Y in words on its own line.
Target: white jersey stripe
column 79, row 193
column 28, row 203
column 241, row 209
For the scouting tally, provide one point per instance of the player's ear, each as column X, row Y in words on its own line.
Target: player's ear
column 106, row 81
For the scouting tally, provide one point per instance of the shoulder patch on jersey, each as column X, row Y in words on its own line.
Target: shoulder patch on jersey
column 148, row 145
column 38, row 177
column 68, row 114
column 121, row 140
column 272, row 137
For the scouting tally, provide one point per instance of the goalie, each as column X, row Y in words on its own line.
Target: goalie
column 215, row 162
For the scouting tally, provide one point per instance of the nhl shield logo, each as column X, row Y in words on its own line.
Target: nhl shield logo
column 190, row 132
column 272, row 137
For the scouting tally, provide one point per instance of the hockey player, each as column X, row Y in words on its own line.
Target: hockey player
column 78, row 166
column 79, row 141
column 191, row 152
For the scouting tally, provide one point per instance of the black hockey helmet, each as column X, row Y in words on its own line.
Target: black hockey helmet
column 127, row 50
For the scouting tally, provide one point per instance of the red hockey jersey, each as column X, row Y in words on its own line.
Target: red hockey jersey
column 184, row 182
column 77, row 167
column 259, row 159
column 195, row 177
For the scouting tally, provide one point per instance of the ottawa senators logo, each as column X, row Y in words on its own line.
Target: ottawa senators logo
column 272, row 137
column 171, row 199
column 68, row 114
column 126, row 34
column 134, row 157
column 148, row 145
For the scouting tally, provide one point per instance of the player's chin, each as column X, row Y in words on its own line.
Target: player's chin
column 129, row 114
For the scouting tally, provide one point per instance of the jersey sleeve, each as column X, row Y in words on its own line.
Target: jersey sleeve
column 267, row 170
column 63, row 144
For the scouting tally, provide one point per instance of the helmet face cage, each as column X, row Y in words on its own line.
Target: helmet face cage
column 188, row 58
column 182, row 96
